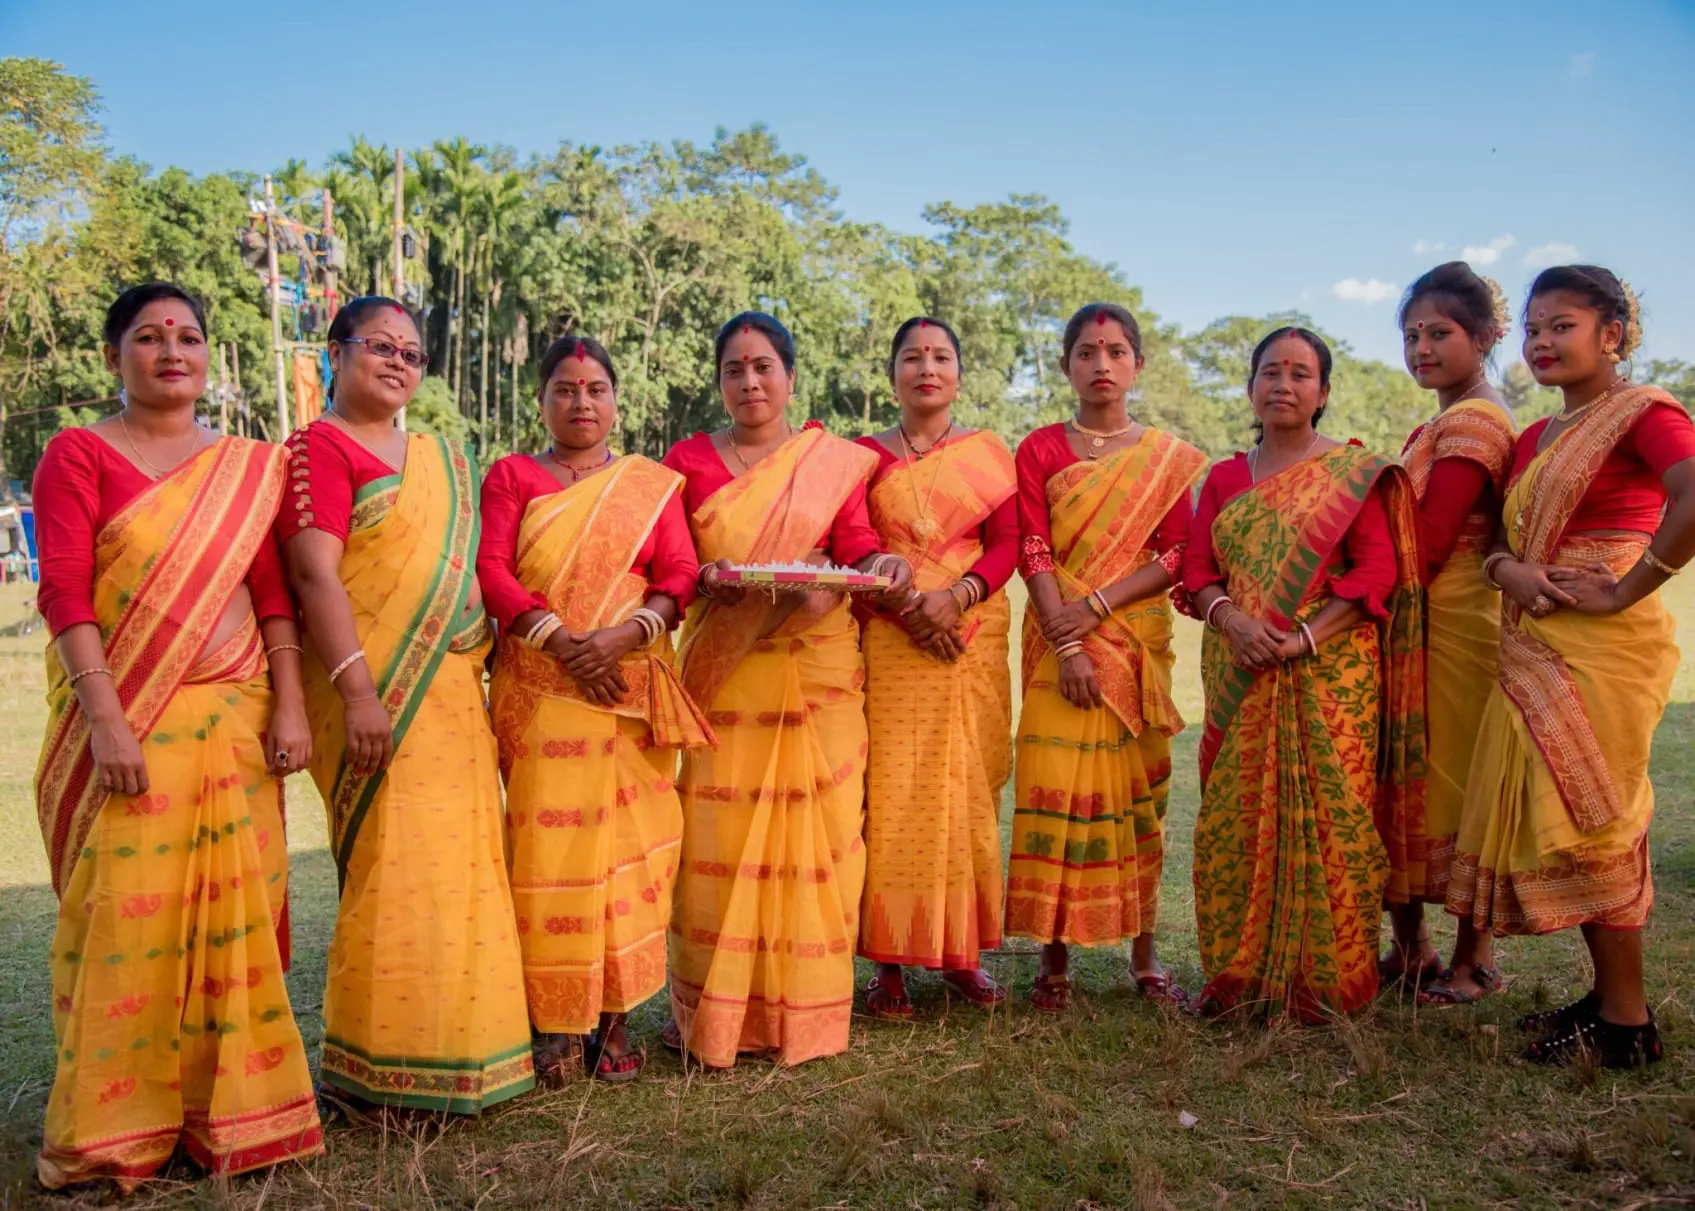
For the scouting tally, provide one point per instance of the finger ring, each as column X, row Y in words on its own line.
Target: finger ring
column 1542, row 605
column 282, row 756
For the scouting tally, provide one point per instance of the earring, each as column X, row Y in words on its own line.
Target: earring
column 1612, row 356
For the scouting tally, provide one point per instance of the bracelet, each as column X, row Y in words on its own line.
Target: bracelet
column 1066, row 651
column 1098, row 606
column 652, row 625
column 341, row 668
column 1221, row 599
column 700, row 581
column 1489, row 566
column 970, row 594
column 283, row 647
column 1306, row 635
column 361, row 698
column 1658, row 564
column 535, row 627
column 878, row 564
column 99, row 668
column 543, row 631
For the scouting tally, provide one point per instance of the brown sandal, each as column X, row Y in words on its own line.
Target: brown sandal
column 1444, row 993
column 1051, row 993
column 1161, row 989
column 885, row 1004
column 558, row 1057
column 975, row 987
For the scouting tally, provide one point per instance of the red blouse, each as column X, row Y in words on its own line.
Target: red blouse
column 1457, row 488
column 1362, row 570
column 666, row 560
column 326, row 468
column 80, row 484
column 1044, row 454
column 697, row 460
column 998, row 533
column 1626, row 494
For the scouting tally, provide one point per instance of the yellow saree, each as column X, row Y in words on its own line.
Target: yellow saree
column 1088, row 828
column 766, row 911
column 940, row 733
column 1554, row 831
column 170, row 1013
column 424, row 1000
column 1311, row 773
column 592, row 812
column 1462, row 620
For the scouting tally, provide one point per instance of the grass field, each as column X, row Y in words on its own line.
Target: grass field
column 1396, row 1109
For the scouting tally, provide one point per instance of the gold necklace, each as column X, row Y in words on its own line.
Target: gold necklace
column 1568, row 414
column 1097, row 439
column 923, row 525
column 730, row 436
column 346, row 427
column 577, row 472
column 905, row 440
column 158, row 472
column 1253, row 459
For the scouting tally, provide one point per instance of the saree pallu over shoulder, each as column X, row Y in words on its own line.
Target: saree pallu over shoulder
column 1555, row 827
column 1312, row 773
column 1088, row 824
column 766, row 910
column 593, row 818
column 939, row 732
column 165, row 568
column 424, row 999
column 1462, row 629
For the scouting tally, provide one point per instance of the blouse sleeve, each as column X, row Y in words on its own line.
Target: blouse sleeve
column 1369, row 550
column 319, row 495
column 267, row 585
column 1200, row 566
column 1000, row 546
column 66, row 492
column 675, row 567
column 1663, row 437
column 1457, row 486
column 852, row 537
column 503, row 504
column 1171, row 537
column 1035, row 530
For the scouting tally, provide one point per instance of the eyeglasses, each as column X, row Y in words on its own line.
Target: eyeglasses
column 415, row 358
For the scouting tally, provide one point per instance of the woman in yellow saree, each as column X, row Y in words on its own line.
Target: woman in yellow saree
column 1457, row 464
column 424, row 999
column 767, row 904
column 1304, row 565
column 159, row 788
column 585, row 563
column 1103, row 505
column 1554, row 829
column 938, row 694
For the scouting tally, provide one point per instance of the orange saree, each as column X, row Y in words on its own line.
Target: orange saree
column 170, row 1012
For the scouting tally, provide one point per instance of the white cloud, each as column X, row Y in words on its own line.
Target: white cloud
column 1556, row 253
column 1487, row 254
column 1428, row 247
column 1581, row 64
column 1371, row 290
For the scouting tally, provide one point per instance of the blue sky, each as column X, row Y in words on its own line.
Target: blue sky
column 1231, row 158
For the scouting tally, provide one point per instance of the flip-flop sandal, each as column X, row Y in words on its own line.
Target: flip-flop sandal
column 671, row 1038
column 558, row 1057
column 975, row 987
column 894, row 1006
column 621, row 1069
column 1054, row 990
column 1442, row 994
column 1390, row 974
column 1160, row 989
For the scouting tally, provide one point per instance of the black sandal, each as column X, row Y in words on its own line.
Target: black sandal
column 1607, row 1045
column 1443, row 992
column 1563, row 1018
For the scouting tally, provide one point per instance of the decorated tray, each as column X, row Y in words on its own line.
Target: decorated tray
column 803, row 577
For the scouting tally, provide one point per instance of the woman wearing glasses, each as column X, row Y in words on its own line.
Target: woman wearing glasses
column 424, row 1001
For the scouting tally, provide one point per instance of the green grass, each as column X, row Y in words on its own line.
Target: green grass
column 1397, row 1108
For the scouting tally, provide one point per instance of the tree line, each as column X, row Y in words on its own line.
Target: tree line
column 646, row 247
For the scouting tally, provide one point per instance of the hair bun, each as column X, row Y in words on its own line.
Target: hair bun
column 1502, row 309
column 1632, row 322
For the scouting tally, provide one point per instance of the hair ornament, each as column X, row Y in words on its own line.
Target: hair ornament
column 1632, row 322
column 1502, row 309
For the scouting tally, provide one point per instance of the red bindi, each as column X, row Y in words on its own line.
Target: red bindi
column 926, row 348
column 582, row 382
column 1421, row 325
column 1285, row 361
column 169, row 322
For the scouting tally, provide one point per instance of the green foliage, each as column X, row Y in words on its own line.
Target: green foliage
column 432, row 411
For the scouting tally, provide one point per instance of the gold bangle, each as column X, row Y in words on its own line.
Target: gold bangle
column 99, row 668
column 1098, row 606
column 1659, row 565
column 283, row 647
column 1221, row 600
column 1489, row 566
column 341, row 668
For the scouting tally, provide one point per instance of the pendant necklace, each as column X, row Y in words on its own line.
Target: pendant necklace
column 1570, row 414
column 577, row 472
column 730, row 436
column 1098, row 439
column 923, row 525
column 1253, row 460
column 157, row 471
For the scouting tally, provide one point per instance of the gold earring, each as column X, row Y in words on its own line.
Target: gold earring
column 1612, row 355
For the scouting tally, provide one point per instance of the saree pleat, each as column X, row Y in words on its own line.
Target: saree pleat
column 170, row 1014
column 1462, row 636
column 766, row 911
column 593, row 819
column 1311, row 773
column 1088, row 828
column 424, row 998
column 939, row 732
column 1554, row 830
